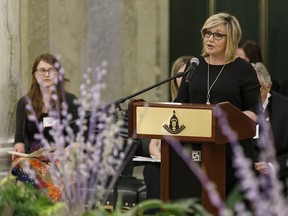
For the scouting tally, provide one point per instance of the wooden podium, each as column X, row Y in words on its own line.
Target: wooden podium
column 189, row 123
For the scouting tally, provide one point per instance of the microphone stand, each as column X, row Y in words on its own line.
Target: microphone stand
column 122, row 100
column 118, row 107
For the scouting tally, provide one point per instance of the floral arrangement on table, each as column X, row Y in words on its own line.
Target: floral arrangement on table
column 96, row 156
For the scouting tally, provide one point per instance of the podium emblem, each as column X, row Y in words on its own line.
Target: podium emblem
column 173, row 126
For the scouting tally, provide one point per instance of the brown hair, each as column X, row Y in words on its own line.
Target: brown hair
column 35, row 94
column 251, row 50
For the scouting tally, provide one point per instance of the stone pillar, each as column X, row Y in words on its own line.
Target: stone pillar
column 145, row 35
column 10, row 82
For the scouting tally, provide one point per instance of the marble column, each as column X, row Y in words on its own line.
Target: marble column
column 10, row 82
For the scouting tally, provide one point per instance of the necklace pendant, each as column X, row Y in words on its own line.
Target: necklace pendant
column 208, row 102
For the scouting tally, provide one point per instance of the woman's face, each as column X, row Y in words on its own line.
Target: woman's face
column 215, row 47
column 178, row 80
column 263, row 90
column 46, row 75
column 241, row 54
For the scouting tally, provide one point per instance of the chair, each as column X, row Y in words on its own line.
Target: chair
column 131, row 189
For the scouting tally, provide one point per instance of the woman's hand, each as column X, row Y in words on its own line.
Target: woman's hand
column 18, row 147
column 154, row 148
column 264, row 168
column 47, row 157
column 251, row 115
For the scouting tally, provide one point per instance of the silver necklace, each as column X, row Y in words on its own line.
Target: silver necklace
column 208, row 80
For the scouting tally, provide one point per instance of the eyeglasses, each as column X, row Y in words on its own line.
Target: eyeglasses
column 216, row 35
column 42, row 71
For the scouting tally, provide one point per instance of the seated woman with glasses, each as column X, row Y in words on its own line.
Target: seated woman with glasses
column 34, row 123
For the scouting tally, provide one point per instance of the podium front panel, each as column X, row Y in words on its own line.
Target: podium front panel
column 166, row 121
column 184, row 184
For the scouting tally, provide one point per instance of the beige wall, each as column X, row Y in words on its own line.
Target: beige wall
column 131, row 35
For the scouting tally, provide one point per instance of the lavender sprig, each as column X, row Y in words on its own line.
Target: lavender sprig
column 273, row 201
column 242, row 164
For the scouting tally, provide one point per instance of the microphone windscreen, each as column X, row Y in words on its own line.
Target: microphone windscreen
column 194, row 61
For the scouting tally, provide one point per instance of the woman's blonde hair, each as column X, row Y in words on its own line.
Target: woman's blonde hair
column 233, row 31
column 177, row 65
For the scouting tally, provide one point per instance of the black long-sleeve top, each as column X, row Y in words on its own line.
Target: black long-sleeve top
column 26, row 129
column 237, row 84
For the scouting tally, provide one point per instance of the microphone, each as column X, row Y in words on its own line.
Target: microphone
column 194, row 62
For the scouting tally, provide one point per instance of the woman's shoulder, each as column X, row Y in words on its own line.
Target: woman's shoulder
column 242, row 65
column 202, row 61
column 244, row 69
column 70, row 95
column 22, row 101
column 21, row 104
column 70, row 98
column 242, row 62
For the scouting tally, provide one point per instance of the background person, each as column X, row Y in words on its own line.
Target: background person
column 251, row 52
column 178, row 66
column 276, row 106
column 222, row 76
column 46, row 82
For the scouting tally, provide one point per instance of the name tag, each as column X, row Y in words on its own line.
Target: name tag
column 49, row 122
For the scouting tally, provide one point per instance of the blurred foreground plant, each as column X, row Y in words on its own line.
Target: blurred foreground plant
column 23, row 199
column 176, row 208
